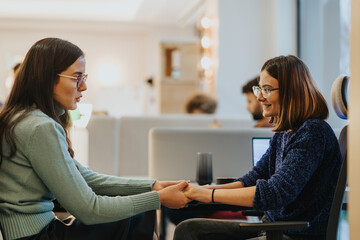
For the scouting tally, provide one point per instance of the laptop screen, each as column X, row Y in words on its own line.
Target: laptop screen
column 259, row 147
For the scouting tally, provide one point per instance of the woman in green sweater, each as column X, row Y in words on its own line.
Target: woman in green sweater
column 38, row 165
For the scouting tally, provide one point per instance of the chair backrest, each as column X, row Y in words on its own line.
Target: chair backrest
column 340, row 103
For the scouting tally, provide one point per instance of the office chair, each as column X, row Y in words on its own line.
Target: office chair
column 339, row 99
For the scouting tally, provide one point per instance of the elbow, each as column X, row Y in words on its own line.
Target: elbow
column 248, row 204
column 88, row 220
column 266, row 204
column 250, row 196
column 87, row 216
column 272, row 197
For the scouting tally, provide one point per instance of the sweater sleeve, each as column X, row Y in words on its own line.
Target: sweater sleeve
column 300, row 160
column 50, row 159
column 261, row 170
column 111, row 185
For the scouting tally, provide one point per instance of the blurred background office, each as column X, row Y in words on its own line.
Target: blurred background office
column 189, row 45
column 186, row 46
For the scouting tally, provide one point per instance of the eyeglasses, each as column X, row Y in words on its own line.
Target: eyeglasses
column 79, row 78
column 265, row 92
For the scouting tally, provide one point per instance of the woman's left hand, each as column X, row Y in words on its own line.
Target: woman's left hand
column 158, row 185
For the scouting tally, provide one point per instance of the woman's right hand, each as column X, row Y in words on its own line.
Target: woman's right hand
column 173, row 196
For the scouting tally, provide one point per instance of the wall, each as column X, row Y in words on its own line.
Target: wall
column 250, row 32
column 131, row 48
column 321, row 34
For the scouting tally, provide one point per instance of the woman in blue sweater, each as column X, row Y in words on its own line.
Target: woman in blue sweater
column 38, row 165
column 295, row 179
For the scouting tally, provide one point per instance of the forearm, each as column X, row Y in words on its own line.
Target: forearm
column 112, row 185
column 232, row 185
column 235, row 196
column 240, row 196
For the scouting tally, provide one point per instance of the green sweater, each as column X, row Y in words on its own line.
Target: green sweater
column 42, row 169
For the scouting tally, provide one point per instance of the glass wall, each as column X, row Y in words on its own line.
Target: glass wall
column 323, row 43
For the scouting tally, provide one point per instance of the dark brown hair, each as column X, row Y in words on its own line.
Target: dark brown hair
column 298, row 95
column 202, row 102
column 247, row 88
column 34, row 86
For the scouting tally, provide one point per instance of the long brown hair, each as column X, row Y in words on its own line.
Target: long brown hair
column 33, row 87
column 298, row 95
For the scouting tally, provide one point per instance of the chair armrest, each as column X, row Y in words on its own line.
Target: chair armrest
column 273, row 226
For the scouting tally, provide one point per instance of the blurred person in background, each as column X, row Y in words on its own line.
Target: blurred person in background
column 254, row 106
column 201, row 103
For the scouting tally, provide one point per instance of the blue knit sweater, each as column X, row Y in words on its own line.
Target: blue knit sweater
column 295, row 179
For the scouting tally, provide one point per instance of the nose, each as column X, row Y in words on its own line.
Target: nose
column 83, row 86
column 260, row 97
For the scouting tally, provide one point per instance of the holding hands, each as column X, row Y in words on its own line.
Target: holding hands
column 159, row 185
column 231, row 193
column 201, row 194
column 176, row 194
column 171, row 193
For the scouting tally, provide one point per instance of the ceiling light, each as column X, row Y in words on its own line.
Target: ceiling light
column 205, row 22
column 205, row 62
column 205, row 42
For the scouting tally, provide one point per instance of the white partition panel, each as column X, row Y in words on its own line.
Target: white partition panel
column 134, row 131
column 103, row 144
column 173, row 152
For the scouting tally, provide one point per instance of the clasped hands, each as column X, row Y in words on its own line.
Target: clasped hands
column 176, row 194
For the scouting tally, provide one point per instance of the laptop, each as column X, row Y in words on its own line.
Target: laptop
column 259, row 147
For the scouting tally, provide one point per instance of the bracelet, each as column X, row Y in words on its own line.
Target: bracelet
column 212, row 195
